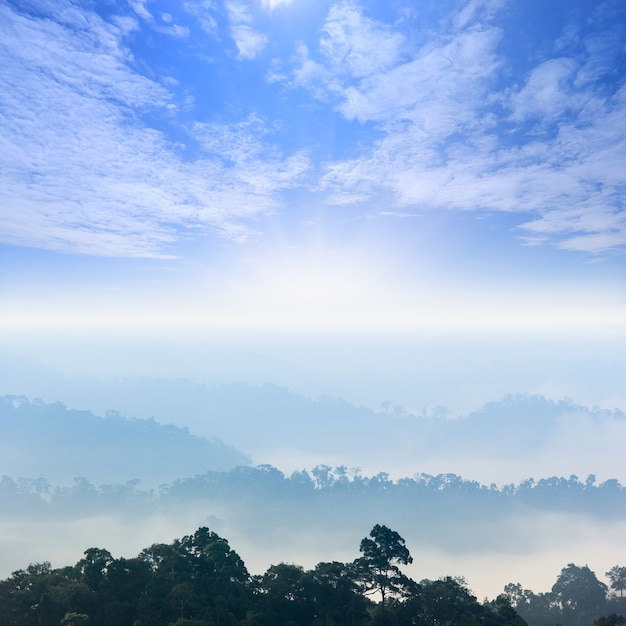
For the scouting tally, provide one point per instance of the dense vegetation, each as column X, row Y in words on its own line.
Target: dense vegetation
column 577, row 598
column 38, row 438
column 51, row 439
column 200, row 580
column 265, row 487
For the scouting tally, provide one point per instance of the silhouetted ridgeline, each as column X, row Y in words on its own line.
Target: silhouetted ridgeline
column 199, row 580
column 324, row 509
column 310, row 495
column 256, row 418
column 49, row 439
column 275, row 425
column 305, row 514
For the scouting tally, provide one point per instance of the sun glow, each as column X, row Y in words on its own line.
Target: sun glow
column 272, row 4
column 324, row 291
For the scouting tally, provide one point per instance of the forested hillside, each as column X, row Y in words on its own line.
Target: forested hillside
column 497, row 443
column 307, row 513
column 143, row 479
column 265, row 488
column 51, row 440
column 200, row 580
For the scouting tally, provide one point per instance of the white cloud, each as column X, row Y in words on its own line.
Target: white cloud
column 171, row 29
column 237, row 143
column 272, row 4
column 80, row 174
column 310, row 74
column 248, row 41
column 139, row 7
column 438, row 91
column 202, row 11
column 546, row 94
column 477, row 10
column 349, row 40
column 174, row 30
column 552, row 149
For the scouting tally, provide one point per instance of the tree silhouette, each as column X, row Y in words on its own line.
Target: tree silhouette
column 617, row 576
column 578, row 592
column 377, row 570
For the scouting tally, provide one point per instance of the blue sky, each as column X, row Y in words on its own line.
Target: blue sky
column 424, row 169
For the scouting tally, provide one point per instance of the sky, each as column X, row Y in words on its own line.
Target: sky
column 334, row 196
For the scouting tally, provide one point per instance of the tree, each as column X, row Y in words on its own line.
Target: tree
column 195, row 577
column 508, row 615
column 535, row 608
column 581, row 596
column 610, row 620
column 286, row 599
column 617, row 576
column 449, row 602
column 93, row 567
column 377, row 570
column 75, row 619
column 335, row 594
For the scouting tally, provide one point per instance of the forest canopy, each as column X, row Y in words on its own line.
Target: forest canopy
column 200, row 580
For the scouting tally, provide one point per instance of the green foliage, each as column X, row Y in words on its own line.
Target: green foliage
column 610, row 620
column 579, row 594
column 199, row 580
column 378, row 569
column 75, row 619
column 577, row 598
column 252, row 494
column 617, row 576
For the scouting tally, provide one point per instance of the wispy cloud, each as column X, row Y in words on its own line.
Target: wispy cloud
column 550, row 147
column 203, row 12
column 477, row 10
column 348, row 39
column 82, row 173
column 249, row 41
column 110, row 146
column 164, row 24
column 546, row 95
column 272, row 4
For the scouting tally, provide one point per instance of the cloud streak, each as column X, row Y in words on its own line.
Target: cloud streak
column 454, row 138
column 82, row 173
column 131, row 133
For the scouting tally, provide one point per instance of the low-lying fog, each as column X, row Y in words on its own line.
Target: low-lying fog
column 530, row 549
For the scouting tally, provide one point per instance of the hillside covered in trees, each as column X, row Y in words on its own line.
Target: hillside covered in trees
column 265, row 487
column 179, row 429
column 457, row 524
column 200, row 580
column 306, row 514
column 49, row 439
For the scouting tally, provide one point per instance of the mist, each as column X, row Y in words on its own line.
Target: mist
column 460, row 371
column 450, row 536
column 493, row 411
column 522, row 432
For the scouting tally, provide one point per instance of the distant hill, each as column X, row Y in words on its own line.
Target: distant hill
column 51, row 440
column 255, row 418
column 506, row 440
